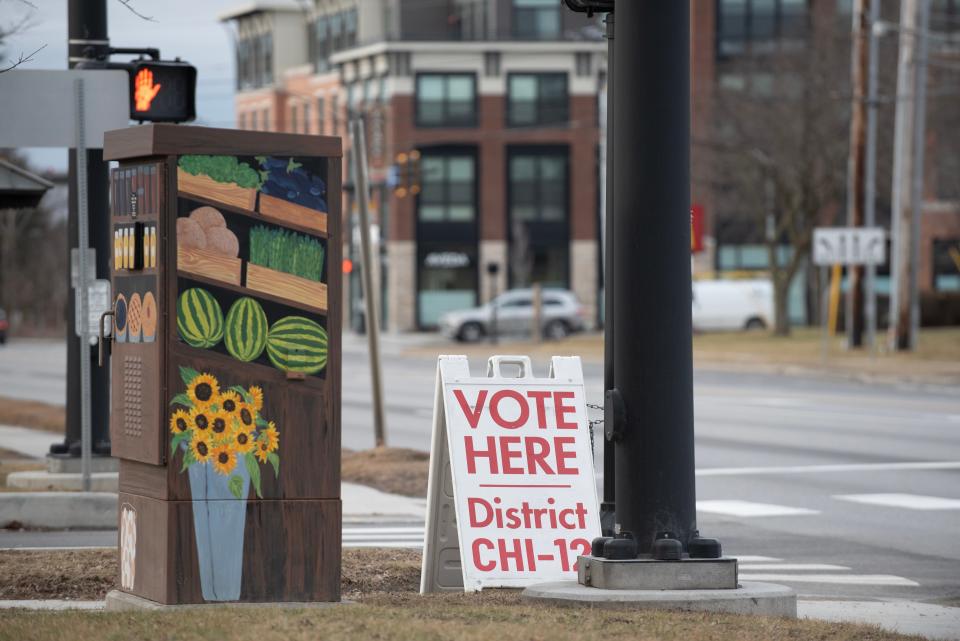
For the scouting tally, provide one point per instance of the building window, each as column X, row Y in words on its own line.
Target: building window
column 537, row 99
column 321, row 58
column 448, row 188
column 537, row 206
column 584, row 64
column 335, row 114
column 758, row 25
column 536, row 19
column 350, row 28
column 306, row 118
column 946, row 265
column 446, row 100
column 538, row 187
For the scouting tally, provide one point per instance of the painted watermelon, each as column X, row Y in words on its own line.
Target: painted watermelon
column 199, row 318
column 245, row 329
column 297, row 344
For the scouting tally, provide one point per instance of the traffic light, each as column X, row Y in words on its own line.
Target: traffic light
column 406, row 174
column 163, row 91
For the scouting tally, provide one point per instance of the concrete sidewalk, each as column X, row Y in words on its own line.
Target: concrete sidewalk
column 98, row 510
column 28, row 442
column 906, row 617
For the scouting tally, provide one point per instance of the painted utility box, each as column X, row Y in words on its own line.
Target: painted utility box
column 226, row 363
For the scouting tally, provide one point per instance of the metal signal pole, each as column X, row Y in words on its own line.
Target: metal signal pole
column 87, row 36
column 653, row 365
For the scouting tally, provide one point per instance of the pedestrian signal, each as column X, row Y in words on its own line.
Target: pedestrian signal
column 163, row 91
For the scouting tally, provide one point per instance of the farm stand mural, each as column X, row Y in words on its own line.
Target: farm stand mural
column 230, row 458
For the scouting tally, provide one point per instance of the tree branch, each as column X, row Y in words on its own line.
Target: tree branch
column 22, row 59
column 133, row 10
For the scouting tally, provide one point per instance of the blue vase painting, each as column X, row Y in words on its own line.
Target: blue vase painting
column 223, row 441
column 218, row 524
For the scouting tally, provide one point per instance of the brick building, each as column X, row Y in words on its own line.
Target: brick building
column 501, row 100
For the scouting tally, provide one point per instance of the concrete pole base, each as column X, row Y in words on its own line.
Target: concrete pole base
column 766, row 599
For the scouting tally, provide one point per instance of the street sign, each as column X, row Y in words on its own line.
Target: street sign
column 38, row 106
column 849, row 246
column 99, row 300
column 511, row 499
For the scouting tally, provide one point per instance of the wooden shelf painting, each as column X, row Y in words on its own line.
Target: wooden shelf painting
column 291, row 214
column 209, row 189
column 210, row 265
column 296, row 290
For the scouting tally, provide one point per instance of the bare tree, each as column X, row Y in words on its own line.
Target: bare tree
column 780, row 146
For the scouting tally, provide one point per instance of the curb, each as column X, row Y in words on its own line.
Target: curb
column 59, row 510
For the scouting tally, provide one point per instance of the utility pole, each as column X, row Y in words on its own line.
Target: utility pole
column 86, row 38
column 608, row 505
column 652, row 405
column 856, row 164
column 870, row 188
column 908, row 173
column 370, row 294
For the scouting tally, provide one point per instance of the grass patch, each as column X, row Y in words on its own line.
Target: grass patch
column 385, row 583
column 389, row 469
column 936, row 360
column 32, row 414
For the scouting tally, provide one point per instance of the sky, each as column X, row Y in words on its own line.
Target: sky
column 185, row 28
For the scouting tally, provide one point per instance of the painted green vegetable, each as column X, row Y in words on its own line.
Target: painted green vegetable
column 287, row 252
column 245, row 332
column 223, row 169
column 297, row 344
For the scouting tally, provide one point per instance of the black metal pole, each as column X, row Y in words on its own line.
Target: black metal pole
column 87, row 39
column 607, row 507
column 653, row 368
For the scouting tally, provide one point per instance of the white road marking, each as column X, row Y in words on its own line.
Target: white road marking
column 746, row 558
column 792, row 567
column 842, row 579
column 908, row 501
column 822, row 469
column 750, row 509
column 383, row 530
column 383, row 544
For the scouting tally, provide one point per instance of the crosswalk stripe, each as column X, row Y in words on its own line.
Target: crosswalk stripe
column 749, row 508
column 907, row 501
column 747, row 558
column 384, row 530
column 792, row 567
column 383, row 544
column 383, row 537
column 843, row 579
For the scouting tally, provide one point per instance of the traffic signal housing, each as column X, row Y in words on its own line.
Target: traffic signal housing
column 163, row 91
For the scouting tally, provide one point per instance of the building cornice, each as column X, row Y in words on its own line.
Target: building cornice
column 472, row 46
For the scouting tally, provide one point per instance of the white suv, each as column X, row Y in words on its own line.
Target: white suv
column 511, row 314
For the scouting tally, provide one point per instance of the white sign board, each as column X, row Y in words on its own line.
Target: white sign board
column 99, row 300
column 512, row 496
column 849, row 246
column 38, row 106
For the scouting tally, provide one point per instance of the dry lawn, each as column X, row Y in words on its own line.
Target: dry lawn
column 14, row 462
column 385, row 583
column 32, row 414
column 389, row 469
column 936, row 361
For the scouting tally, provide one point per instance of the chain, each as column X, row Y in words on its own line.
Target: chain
column 594, row 422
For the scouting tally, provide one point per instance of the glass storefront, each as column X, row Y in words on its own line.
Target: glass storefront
column 539, row 216
column 447, row 247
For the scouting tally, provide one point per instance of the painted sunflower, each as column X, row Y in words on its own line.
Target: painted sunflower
column 200, row 446
column 203, row 390
column 180, row 421
column 229, row 401
column 224, row 459
column 271, row 436
column 261, row 451
column 256, row 393
column 242, row 441
column 247, row 416
column 200, row 419
column 221, row 425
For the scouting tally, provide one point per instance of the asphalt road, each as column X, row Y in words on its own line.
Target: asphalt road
column 838, row 489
